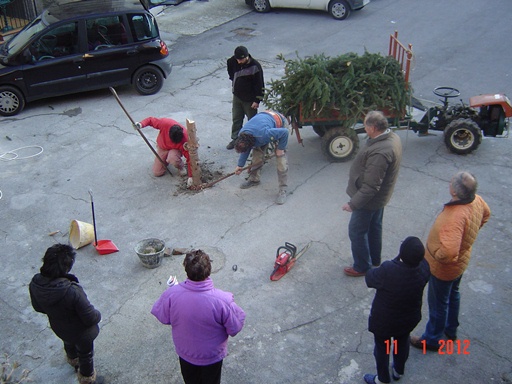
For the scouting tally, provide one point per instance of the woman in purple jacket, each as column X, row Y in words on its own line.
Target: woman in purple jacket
column 202, row 317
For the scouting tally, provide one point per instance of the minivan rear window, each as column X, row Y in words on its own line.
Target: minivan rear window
column 143, row 27
column 105, row 32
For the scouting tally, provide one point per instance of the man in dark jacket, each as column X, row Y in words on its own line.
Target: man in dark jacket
column 246, row 76
column 56, row 293
column 372, row 178
column 396, row 308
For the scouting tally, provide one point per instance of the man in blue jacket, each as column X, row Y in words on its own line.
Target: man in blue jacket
column 256, row 135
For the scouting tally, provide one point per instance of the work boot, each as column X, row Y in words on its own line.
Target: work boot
column 93, row 379
column 73, row 362
column 248, row 184
column 231, row 144
column 281, row 197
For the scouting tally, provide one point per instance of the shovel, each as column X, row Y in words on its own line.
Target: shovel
column 211, row 184
column 103, row 247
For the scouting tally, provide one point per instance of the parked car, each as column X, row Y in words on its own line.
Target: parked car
column 156, row 3
column 339, row 9
column 83, row 46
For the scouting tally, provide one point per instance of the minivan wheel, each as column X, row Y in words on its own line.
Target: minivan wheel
column 12, row 101
column 148, row 80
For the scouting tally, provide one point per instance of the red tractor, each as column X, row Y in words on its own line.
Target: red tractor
column 463, row 124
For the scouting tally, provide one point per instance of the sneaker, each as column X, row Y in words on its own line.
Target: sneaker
column 249, row 184
column 231, row 144
column 417, row 342
column 281, row 197
column 371, row 379
column 396, row 376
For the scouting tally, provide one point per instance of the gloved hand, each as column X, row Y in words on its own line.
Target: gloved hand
column 189, row 182
column 137, row 126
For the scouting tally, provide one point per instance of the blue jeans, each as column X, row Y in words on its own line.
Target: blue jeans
column 443, row 308
column 365, row 233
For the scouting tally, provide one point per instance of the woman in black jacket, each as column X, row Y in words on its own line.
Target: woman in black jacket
column 56, row 293
column 396, row 308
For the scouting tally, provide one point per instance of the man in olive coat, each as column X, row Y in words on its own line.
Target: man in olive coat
column 372, row 179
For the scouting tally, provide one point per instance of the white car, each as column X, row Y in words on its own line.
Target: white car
column 339, row 9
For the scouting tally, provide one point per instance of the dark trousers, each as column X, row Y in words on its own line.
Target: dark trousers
column 200, row 374
column 84, row 350
column 239, row 110
column 383, row 350
column 365, row 233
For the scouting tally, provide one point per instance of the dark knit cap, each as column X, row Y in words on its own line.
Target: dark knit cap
column 241, row 52
column 412, row 251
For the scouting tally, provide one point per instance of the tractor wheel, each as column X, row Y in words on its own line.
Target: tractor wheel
column 462, row 136
column 340, row 144
column 320, row 130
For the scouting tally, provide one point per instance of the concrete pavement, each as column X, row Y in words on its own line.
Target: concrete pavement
column 311, row 326
column 192, row 18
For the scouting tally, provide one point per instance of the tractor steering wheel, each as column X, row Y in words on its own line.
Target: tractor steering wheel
column 447, row 92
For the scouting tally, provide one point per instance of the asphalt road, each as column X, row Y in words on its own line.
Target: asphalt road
column 311, row 326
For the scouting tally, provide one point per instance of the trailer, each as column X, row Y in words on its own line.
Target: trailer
column 463, row 124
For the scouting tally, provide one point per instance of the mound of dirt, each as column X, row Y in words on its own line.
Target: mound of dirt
column 208, row 175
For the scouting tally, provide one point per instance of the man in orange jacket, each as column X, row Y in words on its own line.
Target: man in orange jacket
column 448, row 252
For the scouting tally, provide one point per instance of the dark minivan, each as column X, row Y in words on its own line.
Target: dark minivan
column 82, row 46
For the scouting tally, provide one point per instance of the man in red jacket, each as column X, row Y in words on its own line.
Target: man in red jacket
column 170, row 145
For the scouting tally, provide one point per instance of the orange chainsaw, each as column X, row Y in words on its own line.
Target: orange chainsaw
column 286, row 257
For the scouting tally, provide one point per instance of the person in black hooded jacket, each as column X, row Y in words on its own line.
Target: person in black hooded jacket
column 248, row 85
column 396, row 308
column 57, row 293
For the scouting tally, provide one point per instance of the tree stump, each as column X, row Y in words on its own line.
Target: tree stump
column 192, row 145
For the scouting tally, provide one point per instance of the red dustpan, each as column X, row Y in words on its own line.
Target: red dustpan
column 104, row 247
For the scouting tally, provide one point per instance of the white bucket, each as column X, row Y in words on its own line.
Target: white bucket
column 80, row 234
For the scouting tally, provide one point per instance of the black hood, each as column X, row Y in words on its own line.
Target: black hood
column 47, row 291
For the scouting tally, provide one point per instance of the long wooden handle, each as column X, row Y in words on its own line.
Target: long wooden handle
column 138, row 130
column 243, row 169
